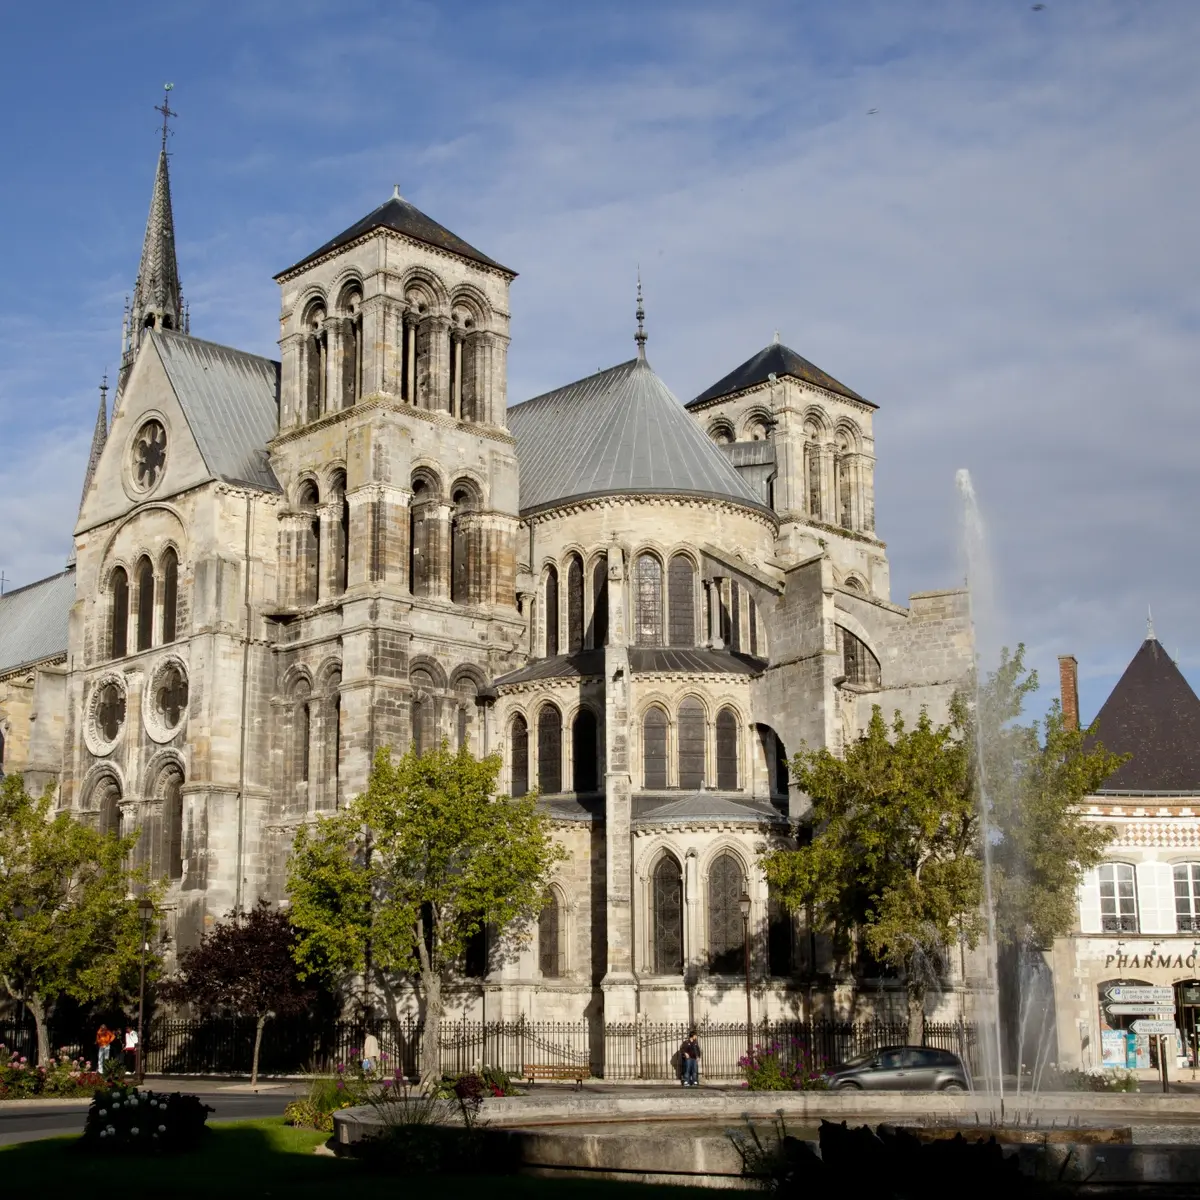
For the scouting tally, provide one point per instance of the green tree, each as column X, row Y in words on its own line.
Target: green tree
column 889, row 852
column 69, row 924
column 414, row 868
column 246, row 966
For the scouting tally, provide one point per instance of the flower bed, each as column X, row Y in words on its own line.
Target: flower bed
column 62, row 1076
column 782, row 1067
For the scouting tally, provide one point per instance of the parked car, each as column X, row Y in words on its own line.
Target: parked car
column 897, row 1068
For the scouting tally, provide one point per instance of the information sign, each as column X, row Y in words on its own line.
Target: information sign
column 1155, row 1028
column 1149, row 1010
column 1124, row 993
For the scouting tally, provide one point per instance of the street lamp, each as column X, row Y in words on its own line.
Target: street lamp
column 145, row 911
column 744, row 905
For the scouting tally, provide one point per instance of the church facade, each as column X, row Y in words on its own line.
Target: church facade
column 643, row 606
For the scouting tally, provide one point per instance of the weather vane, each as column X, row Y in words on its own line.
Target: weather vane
column 165, row 109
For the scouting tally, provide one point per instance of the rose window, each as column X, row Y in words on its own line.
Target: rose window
column 149, row 455
column 171, row 697
column 110, row 711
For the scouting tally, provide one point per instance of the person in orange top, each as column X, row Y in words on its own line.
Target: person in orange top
column 104, row 1039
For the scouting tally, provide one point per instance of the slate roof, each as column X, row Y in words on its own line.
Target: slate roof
column 231, row 402
column 33, row 621
column 776, row 359
column 698, row 806
column 613, row 433
column 398, row 214
column 1154, row 715
column 643, row 660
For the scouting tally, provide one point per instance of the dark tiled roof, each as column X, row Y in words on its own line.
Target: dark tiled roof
column 231, row 402
column 1154, row 715
column 573, row 808
column 643, row 660
column 776, row 359
column 405, row 218
column 33, row 621
column 618, row 432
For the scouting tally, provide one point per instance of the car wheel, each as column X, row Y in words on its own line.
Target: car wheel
column 847, row 1085
column 953, row 1086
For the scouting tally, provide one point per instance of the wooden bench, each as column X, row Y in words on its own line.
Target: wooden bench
column 556, row 1071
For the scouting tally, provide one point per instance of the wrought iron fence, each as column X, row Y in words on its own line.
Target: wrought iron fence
column 641, row 1050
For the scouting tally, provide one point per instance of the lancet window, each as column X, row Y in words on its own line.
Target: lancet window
column 726, row 938
column 667, row 908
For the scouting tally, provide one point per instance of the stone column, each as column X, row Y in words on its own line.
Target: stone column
column 291, row 380
column 329, row 585
column 456, row 370
column 439, row 548
column 409, row 360
column 714, row 612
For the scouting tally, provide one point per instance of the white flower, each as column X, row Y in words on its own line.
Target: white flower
column 134, row 1131
column 111, row 1129
column 162, row 1129
column 103, row 1134
column 104, row 1112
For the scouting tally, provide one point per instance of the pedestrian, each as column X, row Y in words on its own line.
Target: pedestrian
column 370, row 1054
column 104, row 1040
column 690, row 1052
column 131, row 1046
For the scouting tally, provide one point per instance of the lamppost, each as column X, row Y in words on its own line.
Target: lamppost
column 145, row 911
column 744, row 905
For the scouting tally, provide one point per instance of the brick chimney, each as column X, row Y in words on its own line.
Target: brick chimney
column 1068, row 683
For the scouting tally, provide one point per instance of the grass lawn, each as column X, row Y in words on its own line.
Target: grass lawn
column 264, row 1158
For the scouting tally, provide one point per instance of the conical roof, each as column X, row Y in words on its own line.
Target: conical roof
column 776, row 359
column 616, row 432
column 398, row 214
column 1154, row 715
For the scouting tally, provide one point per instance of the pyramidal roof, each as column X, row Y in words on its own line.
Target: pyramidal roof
column 398, row 214
column 1154, row 715
column 157, row 285
column 616, row 432
column 775, row 359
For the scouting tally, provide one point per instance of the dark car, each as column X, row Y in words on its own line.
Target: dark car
column 897, row 1068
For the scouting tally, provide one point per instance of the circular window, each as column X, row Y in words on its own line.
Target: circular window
column 149, row 455
column 165, row 707
column 106, row 715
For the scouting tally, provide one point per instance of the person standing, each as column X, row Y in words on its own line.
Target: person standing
column 370, row 1054
column 131, row 1045
column 104, row 1040
column 690, row 1052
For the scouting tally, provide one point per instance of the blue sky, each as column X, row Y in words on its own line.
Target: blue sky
column 1004, row 256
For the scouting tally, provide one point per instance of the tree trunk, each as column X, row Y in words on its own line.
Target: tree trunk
column 37, row 1006
column 916, row 1013
column 258, row 1032
column 431, row 1067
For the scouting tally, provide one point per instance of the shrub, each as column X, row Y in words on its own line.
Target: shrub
column 1096, row 1079
column 126, row 1120
column 782, row 1068
column 327, row 1094
column 61, row 1076
column 476, row 1086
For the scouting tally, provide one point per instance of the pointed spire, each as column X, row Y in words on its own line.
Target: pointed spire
column 1150, row 625
column 99, row 437
column 640, row 336
column 157, row 297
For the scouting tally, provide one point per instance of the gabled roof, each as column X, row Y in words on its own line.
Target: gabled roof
column 1154, row 715
column 231, row 402
column 33, row 621
column 775, row 359
column 398, row 214
column 616, row 432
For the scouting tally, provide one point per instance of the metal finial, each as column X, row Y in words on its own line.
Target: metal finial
column 104, row 386
column 1150, row 625
column 165, row 109
column 640, row 336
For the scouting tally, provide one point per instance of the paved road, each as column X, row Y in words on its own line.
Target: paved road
column 25, row 1124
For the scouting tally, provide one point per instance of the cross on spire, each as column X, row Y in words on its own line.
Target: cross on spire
column 640, row 336
column 165, row 109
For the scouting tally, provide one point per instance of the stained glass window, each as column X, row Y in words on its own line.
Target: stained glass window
column 549, row 934
column 681, row 589
column 726, row 943
column 172, row 696
column 600, row 602
column 735, row 616
column 173, row 824
column 691, row 744
column 654, row 748
column 648, row 583
column 110, row 711
column 519, row 749
column 145, row 602
column 119, row 635
column 170, row 595
column 584, row 751
column 551, row 613
column 574, row 603
column 727, row 749
column 149, row 455
column 668, row 917
column 549, row 749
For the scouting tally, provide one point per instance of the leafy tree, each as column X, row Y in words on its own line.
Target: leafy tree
column 413, row 869
column 892, row 854
column 244, row 965
column 69, row 925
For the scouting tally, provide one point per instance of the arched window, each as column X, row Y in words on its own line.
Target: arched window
column 340, row 534
column 584, row 751
column 691, row 744
column 667, row 905
column 726, row 936
column 466, row 690
column 308, row 566
column 654, row 748
column 352, row 346
column 519, row 749
column 550, row 955
column 859, row 665
column 424, row 711
column 422, row 537
column 172, row 822
column 600, row 602
column 462, row 565
column 681, row 601
column 170, row 595
column 301, row 732
column 551, row 609
column 108, row 805
column 727, row 749
column 1118, row 899
column 812, row 471
column 305, row 741
column 549, row 749
column 843, row 473
column 574, row 603
column 649, row 605
column 145, row 604
column 1187, row 894
column 118, row 645
column 316, row 348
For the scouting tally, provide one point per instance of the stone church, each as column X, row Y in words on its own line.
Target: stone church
column 644, row 606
